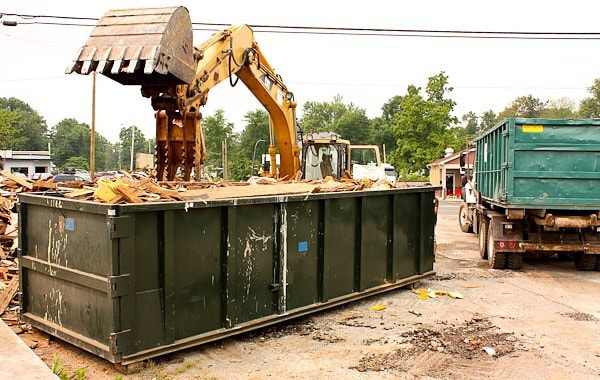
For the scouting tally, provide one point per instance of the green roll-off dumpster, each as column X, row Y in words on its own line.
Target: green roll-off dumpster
column 130, row 282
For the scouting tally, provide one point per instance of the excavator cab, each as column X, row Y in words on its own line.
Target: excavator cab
column 324, row 155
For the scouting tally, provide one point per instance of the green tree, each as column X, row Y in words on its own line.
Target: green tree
column 30, row 129
column 321, row 116
column 423, row 127
column 381, row 134
column 140, row 145
column 470, row 125
column 256, row 128
column 77, row 162
column 216, row 129
column 561, row 108
column 70, row 138
column 524, row 106
column 347, row 120
column 8, row 131
column 590, row 107
column 488, row 120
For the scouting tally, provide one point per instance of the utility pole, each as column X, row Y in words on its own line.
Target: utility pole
column 132, row 144
column 224, row 159
column 93, row 131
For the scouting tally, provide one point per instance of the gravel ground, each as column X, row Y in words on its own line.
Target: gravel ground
column 539, row 322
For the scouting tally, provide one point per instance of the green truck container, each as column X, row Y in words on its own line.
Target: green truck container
column 536, row 188
column 130, row 282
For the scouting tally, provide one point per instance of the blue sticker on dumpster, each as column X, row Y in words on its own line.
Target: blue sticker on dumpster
column 302, row 246
column 70, row 224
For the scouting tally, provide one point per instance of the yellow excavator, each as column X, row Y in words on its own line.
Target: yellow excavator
column 153, row 47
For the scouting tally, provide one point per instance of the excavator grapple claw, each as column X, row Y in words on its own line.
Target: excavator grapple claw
column 140, row 47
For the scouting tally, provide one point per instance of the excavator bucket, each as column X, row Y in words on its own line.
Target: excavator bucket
column 149, row 46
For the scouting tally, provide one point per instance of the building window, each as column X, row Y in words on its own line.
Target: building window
column 41, row 169
column 20, row 170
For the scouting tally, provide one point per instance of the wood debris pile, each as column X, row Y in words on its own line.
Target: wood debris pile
column 9, row 270
column 129, row 188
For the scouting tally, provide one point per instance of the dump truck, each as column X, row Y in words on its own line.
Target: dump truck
column 133, row 281
column 534, row 190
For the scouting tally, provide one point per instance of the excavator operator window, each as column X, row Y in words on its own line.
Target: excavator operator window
column 321, row 160
column 365, row 156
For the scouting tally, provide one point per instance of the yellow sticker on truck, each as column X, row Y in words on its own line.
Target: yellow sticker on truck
column 533, row 128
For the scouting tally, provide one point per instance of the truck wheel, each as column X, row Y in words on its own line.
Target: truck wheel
column 514, row 260
column 463, row 218
column 497, row 260
column 585, row 261
column 483, row 231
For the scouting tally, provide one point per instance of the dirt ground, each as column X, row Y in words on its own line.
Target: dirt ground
column 539, row 322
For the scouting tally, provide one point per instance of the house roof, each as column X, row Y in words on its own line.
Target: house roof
column 453, row 159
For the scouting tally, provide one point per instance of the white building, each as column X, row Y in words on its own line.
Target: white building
column 31, row 163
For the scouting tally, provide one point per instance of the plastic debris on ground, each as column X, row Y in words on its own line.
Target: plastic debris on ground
column 425, row 294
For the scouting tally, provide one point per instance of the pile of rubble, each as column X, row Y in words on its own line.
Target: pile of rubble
column 136, row 188
column 9, row 271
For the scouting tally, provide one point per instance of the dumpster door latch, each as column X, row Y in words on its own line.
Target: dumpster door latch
column 120, row 226
column 118, row 340
column 119, row 285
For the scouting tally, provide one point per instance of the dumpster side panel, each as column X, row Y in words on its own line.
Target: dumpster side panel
column 141, row 251
column 341, row 218
column 302, row 237
column 69, row 305
column 64, row 263
column 406, row 235
column 198, row 265
column 375, row 220
column 426, row 234
column 250, row 262
column 68, row 238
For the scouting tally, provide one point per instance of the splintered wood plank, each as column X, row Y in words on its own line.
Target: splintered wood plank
column 7, row 294
column 44, row 185
column 21, row 181
column 128, row 194
column 79, row 193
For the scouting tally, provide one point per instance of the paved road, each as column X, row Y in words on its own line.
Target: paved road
column 448, row 208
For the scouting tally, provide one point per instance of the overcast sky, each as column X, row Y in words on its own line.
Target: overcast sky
column 366, row 70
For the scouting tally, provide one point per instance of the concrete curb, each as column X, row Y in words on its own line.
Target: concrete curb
column 18, row 360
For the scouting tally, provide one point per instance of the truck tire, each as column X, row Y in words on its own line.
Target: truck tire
column 496, row 260
column 585, row 262
column 483, row 235
column 463, row 218
column 514, row 260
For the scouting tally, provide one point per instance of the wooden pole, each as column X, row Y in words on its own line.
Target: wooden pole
column 93, row 131
column 132, row 149
column 224, row 158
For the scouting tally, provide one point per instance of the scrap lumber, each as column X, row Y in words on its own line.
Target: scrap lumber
column 128, row 194
column 8, row 293
column 44, row 185
column 21, row 181
column 79, row 193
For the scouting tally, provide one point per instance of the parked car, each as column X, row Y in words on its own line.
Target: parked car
column 67, row 178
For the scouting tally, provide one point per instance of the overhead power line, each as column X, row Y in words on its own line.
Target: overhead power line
column 329, row 30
